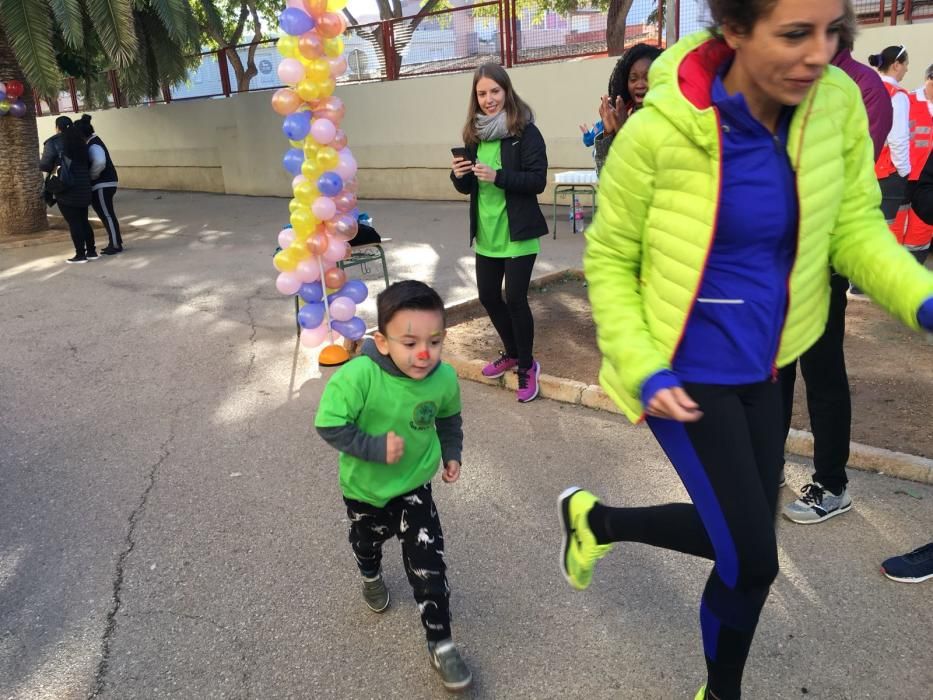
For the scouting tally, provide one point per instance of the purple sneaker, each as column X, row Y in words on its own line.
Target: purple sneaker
column 497, row 368
column 528, row 382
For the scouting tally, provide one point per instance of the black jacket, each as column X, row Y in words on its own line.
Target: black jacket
column 922, row 198
column 523, row 177
column 108, row 176
column 79, row 194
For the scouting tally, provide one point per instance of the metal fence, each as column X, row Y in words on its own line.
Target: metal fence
column 510, row 32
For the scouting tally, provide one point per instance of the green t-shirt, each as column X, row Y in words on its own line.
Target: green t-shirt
column 492, row 231
column 376, row 402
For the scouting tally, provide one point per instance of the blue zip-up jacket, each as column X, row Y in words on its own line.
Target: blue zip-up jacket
column 742, row 302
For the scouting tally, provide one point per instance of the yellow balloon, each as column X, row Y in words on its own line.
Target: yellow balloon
column 311, row 170
column 306, row 192
column 327, row 88
column 299, row 251
column 318, row 70
column 297, row 144
column 303, row 235
column 294, row 205
column 311, row 149
column 333, row 47
column 327, row 159
column 288, row 46
column 308, row 89
column 284, row 262
column 336, row 5
column 302, row 220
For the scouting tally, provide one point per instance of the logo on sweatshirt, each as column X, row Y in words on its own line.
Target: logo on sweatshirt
column 422, row 418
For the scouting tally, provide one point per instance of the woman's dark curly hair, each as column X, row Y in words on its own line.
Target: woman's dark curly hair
column 618, row 81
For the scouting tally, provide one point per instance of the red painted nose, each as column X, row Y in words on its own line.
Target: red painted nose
column 423, row 355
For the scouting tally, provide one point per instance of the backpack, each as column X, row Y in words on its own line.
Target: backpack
column 62, row 179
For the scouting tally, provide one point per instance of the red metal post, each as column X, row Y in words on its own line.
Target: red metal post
column 74, row 94
column 166, row 94
column 114, row 80
column 224, row 74
column 676, row 37
column 893, row 12
column 513, row 32
column 909, row 11
column 505, row 15
column 35, row 97
column 662, row 17
column 388, row 48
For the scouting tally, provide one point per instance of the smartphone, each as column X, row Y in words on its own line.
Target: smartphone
column 461, row 152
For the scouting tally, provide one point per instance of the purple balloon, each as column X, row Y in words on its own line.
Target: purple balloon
column 355, row 290
column 2, row 93
column 18, row 109
column 311, row 315
column 330, row 184
column 354, row 329
column 292, row 160
column 295, row 22
column 312, row 292
column 297, row 125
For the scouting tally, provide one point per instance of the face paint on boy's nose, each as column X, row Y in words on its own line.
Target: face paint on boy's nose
column 423, row 355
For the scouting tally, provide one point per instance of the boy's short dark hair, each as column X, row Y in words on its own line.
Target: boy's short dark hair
column 407, row 294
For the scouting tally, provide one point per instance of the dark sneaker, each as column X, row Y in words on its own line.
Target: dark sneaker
column 445, row 657
column 375, row 593
column 110, row 250
column 92, row 255
column 817, row 504
column 76, row 259
column 528, row 382
column 913, row 567
column 497, row 368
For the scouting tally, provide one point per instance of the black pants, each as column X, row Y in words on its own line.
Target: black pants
column 82, row 235
column 102, row 201
column 511, row 316
column 893, row 196
column 729, row 462
column 828, row 401
column 413, row 519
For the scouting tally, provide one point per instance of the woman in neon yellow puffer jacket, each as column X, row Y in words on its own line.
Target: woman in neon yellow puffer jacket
column 722, row 205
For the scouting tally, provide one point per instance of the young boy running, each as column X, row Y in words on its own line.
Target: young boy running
column 394, row 415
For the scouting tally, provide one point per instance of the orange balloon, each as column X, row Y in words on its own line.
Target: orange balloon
column 310, row 46
column 318, row 244
column 315, row 8
column 331, row 25
column 285, row 101
column 335, row 278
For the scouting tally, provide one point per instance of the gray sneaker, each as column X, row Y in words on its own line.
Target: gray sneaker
column 375, row 593
column 445, row 657
column 817, row 504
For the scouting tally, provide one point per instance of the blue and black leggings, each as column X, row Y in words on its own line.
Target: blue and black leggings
column 729, row 461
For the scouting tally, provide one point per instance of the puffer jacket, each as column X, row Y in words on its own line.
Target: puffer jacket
column 79, row 194
column 658, row 207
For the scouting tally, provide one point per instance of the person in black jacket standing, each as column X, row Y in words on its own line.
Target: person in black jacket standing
column 103, row 185
column 504, row 171
column 68, row 150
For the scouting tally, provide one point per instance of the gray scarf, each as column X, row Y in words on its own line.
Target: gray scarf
column 492, row 128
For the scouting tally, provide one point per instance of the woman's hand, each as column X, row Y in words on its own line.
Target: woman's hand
column 613, row 115
column 461, row 166
column 674, row 404
column 484, row 173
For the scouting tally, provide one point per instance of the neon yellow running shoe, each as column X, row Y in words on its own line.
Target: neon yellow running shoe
column 580, row 551
column 701, row 694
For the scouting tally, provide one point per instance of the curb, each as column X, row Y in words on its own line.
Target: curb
column 799, row 442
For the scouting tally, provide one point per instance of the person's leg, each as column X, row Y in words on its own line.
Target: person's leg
column 89, row 243
column 893, row 196
column 72, row 216
column 729, row 462
column 489, row 275
column 787, row 376
column 824, row 370
column 369, row 528
column 102, row 201
column 419, row 530
column 517, row 280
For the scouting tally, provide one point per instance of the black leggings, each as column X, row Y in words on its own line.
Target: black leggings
column 729, row 461
column 511, row 316
column 102, row 201
column 82, row 235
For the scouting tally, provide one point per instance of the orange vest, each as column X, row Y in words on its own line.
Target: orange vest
column 908, row 228
column 884, row 165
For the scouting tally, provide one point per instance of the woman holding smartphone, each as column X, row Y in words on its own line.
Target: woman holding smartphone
column 503, row 168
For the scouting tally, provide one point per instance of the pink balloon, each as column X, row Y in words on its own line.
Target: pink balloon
column 323, row 131
column 336, row 250
column 291, row 71
column 288, row 283
column 286, row 237
column 351, row 185
column 342, row 309
column 345, row 201
column 346, row 168
column 343, row 227
column 298, row 179
column 297, row 4
column 313, row 337
column 324, row 208
column 340, row 140
column 308, row 271
column 332, row 108
column 338, row 66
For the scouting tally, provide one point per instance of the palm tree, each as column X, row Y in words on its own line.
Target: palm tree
column 122, row 30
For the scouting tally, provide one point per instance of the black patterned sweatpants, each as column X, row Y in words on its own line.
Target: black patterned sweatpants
column 412, row 518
